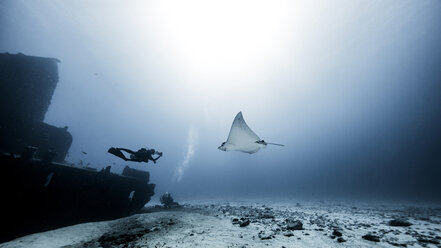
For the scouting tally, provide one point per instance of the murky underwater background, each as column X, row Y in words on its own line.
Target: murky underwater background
column 352, row 88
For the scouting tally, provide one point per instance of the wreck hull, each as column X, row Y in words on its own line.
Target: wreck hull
column 39, row 196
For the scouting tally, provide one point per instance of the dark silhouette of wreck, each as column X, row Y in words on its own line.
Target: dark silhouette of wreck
column 38, row 190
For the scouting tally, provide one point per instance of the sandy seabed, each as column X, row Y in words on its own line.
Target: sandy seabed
column 251, row 224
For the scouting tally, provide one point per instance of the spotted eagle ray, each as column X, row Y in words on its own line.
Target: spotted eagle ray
column 242, row 138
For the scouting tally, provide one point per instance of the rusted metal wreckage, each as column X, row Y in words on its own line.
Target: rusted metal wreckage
column 39, row 191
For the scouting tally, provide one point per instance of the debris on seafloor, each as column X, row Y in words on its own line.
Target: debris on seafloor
column 167, row 201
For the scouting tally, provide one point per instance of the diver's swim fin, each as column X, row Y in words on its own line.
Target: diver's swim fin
column 116, row 152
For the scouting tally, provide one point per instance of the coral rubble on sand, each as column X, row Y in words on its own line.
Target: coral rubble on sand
column 312, row 224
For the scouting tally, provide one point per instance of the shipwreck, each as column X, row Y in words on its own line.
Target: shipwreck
column 39, row 190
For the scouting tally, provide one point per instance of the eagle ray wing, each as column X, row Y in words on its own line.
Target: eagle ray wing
column 241, row 134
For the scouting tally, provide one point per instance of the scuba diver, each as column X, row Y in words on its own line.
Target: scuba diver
column 142, row 155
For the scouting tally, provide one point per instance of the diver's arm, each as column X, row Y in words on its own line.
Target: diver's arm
column 154, row 160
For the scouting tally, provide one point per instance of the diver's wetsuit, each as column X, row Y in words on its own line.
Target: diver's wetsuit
column 142, row 155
